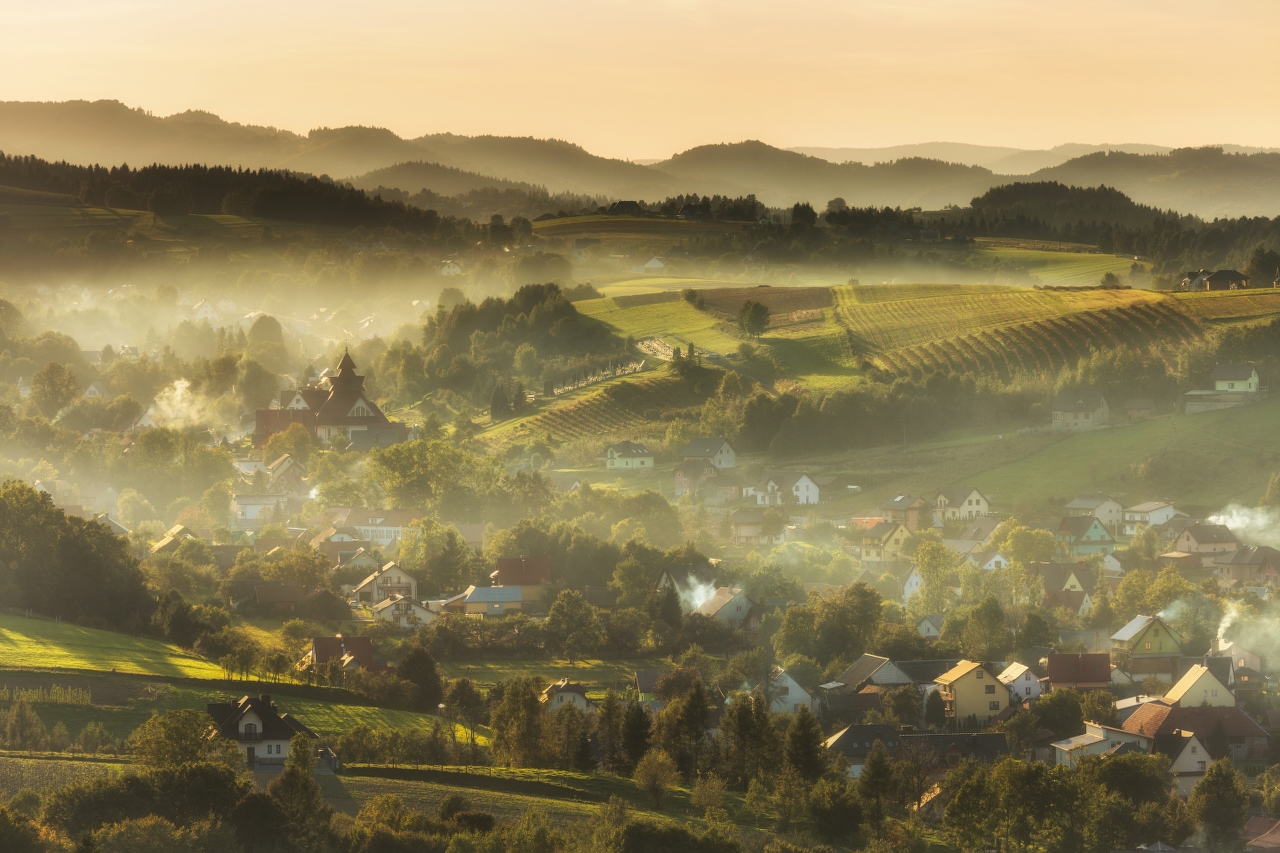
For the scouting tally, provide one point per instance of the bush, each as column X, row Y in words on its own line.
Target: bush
column 656, row 775
column 452, row 805
column 475, row 821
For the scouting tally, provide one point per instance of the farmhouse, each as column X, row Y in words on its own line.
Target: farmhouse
column 1149, row 514
column 1233, row 385
column 1107, row 510
column 1080, row 410
column 960, row 503
column 908, row 510
column 530, row 575
column 351, row 653
column 718, row 450
column 1208, row 541
column 402, row 612
column 566, row 692
column 385, row 582
column 882, row 544
column 262, row 733
column 1084, row 536
column 792, row 487
column 626, row 455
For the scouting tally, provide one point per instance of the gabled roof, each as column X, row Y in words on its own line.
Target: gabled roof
column 981, row 529
column 1078, row 525
column 784, row 480
column 704, row 448
column 988, row 747
column 494, row 595
column 646, row 680
column 1135, row 626
column 630, row 449
column 956, row 495
column 1088, row 502
column 1149, row 506
column 926, row 671
column 1179, row 691
column 881, row 530
column 394, row 598
column 1074, row 668
column 1250, row 555
column 1226, row 276
column 275, row 726
column 934, row 619
column 564, row 685
column 521, row 571
column 960, row 670
column 1078, row 401
column 1161, row 721
column 1232, row 373
column 1013, row 672
column 1210, row 534
column 719, row 599
column 856, row 741
column 1071, row 599
column 862, row 669
column 325, row 649
column 903, row 502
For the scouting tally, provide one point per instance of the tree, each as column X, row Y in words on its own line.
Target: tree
column 519, row 724
column 914, row 763
column 834, row 809
column 465, row 703
column 176, row 738
column 610, row 720
column 802, row 213
column 875, row 782
column 935, row 710
column 632, row 582
column 18, row 835
column 985, row 632
column 903, row 703
column 656, row 775
column 1219, row 803
column 1099, row 706
column 637, row 732
column 499, row 404
column 23, row 729
column 419, row 669
column 805, row 748
column 295, row 441
column 53, row 387
column 753, row 318
column 936, row 563
column 572, row 625
column 298, row 794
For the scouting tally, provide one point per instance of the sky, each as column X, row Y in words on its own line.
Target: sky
column 639, row 80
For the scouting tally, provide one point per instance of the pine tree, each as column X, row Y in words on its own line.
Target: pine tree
column 609, row 730
column 23, row 729
column 637, row 732
column 875, row 783
column 805, row 750
column 935, row 710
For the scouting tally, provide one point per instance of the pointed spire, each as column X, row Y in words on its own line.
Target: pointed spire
column 346, row 363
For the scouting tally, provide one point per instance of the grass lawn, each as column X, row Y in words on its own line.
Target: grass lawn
column 60, row 645
column 1201, row 462
column 597, row 675
column 1232, row 306
column 19, row 770
column 1059, row 268
column 672, row 321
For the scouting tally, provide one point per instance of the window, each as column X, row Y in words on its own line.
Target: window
column 993, row 706
column 1200, row 765
column 979, row 675
column 1148, row 646
column 1195, row 750
column 991, row 689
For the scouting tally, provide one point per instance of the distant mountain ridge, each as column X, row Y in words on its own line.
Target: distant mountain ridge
column 1229, row 181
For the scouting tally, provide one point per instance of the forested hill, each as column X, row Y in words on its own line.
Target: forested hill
column 1057, row 205
column 215, row 189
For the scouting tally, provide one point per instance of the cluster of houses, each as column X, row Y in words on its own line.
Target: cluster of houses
column 1233, row 385
column 1199, row 719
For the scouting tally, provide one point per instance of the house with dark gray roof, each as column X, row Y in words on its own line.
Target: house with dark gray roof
column 262, row 733
column 718, row 450
column 1085, row 409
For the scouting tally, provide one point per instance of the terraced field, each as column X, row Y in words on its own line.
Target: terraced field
column 1056, row 267
column 661, row 315
column 1228, row 307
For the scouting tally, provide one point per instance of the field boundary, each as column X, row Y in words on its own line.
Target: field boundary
column 480, row 781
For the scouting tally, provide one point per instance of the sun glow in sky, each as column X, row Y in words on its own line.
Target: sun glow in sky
column 647, row 79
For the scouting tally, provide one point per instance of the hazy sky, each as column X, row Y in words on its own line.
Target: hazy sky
column 647, row 79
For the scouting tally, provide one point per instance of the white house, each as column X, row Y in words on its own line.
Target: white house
column 786, row 486
column 716, row 450
column 1080, row 410
column 912, row 583
column 250, row 512
column 383, row 526
column 1235, row 377
column 732, row 607
column 1096, row 740
column 930, row 626
column 97, row 391
column 385, row 582
column 960, row 503
column 1190, row 765
column 402, row 611
column 653, row 265
column 786, row 694
column 566, row 692
column 627, row 455
column 1021, row 681
column 1149, row 514
column 224, row 304
column 262, row 733
column 1241, row 658
column 450, row 268
column 1107, row 510
column 204, row 310
column 988, row 561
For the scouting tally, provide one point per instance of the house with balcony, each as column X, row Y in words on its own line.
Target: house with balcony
column 1149, row 514
column 261, row 732
column 387, row 581
column 972, row 689
column 960, row 503
column 403, row 612
column 911, row 511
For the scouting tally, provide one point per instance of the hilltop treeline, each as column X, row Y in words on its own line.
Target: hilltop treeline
column 220, row 189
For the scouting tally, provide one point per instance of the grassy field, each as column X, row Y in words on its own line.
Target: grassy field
column 1201, row 462
column 59, row 645
column 1232, row 306
column 596, row 675
column 1057, row 267
column 18, row 771
column 673, row 320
